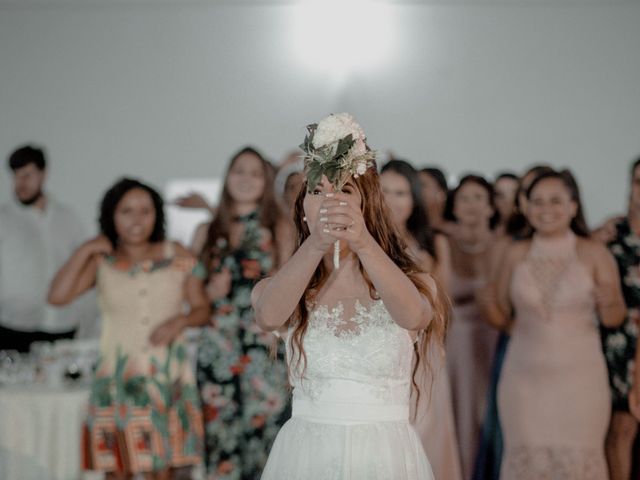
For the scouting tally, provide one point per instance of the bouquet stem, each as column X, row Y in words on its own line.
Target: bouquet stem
column 336, row 254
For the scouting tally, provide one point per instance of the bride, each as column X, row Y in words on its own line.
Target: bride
column 357, row 314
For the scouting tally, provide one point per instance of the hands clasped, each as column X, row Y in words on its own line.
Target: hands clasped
column 339, row 218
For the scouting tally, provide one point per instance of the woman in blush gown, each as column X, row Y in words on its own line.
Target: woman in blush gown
column 433, row 417
column 489, row 456
column 553, row 394
column 471, row 341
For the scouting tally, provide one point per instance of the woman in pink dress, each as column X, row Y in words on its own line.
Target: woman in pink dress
column 434, row 412
column 471, row 341
column 553, row 394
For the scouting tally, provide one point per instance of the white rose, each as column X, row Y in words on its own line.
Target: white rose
column 335, row 127
column 359, row 148
column 361, row 169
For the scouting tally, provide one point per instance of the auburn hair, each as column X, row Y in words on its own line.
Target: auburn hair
column 379, row 224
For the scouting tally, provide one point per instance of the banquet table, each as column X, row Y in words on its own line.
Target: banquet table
column 40, row 431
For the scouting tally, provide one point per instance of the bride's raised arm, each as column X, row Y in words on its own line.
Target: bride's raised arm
column 274, row 299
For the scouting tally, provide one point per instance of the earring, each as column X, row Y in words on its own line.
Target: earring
column 304, row 219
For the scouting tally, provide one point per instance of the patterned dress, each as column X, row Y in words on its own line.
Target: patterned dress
column 619, row 344
column 144, row 409
column 244, row 390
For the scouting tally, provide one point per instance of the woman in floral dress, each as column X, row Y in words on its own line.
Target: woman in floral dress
column 144, row 413
column 620, row 344
column 243, row 387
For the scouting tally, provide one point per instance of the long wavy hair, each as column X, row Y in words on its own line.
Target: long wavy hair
column 379, row 224
column 217, row 243
column 418, row 222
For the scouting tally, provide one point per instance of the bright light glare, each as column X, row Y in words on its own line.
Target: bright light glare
column 342, row 36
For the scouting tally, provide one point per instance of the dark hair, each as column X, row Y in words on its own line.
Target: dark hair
column 478, row 180
column 578, row 223
column 438, row 176
column 635, row 165
column 518, row 225
column 111, row 200
column 25, row 155
column 507, row 175
column 418, row 221
column 221, row 225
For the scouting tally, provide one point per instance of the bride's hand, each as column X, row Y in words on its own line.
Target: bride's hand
column 320, row 234
column 342, row 220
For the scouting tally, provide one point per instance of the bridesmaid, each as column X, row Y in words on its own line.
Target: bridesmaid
column 434, row 414
column 489, row 457
column 471, row 341
column 506, row 188
column 434, row 195
column 553, row 393
column 620, row 344
column 244, row 391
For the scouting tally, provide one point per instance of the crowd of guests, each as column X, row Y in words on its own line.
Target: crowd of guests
column 536, row 379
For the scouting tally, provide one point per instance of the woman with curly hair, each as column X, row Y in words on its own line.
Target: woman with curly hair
column 144, row 411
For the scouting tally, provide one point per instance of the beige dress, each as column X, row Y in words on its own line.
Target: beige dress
column 144, row 411
column 471, row 344
column 553, row 394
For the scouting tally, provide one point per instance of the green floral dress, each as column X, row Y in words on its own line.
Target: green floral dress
column 144, row 408
column 244, row 390
column 619, row 344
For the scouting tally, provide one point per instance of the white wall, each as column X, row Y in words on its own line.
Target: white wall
column 171, row 89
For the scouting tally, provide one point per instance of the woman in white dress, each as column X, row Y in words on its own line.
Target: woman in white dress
column 353, row 318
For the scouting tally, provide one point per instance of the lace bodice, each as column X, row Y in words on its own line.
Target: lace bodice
column 363, row 359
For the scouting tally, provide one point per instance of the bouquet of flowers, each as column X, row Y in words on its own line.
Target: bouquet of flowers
column 337, row 148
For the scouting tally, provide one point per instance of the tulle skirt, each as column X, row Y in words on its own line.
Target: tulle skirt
column 318, row 450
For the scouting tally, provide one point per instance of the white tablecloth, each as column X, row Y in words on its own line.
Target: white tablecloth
column 40, row 432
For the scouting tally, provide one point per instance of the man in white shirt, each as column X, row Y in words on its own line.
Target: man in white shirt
column 37, row 235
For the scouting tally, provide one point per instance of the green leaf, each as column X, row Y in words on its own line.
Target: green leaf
column 332, row 170
column 344, row 145
column 314, row 174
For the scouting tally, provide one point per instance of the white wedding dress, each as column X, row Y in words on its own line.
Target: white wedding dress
column 350, row 417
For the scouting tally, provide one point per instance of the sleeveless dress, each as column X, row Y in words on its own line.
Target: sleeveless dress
column 244, row 390
column 619, row 343
column 144, row 410
column 553, row 394
column 351, row 404
column 434, row 420
column 471, row 344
